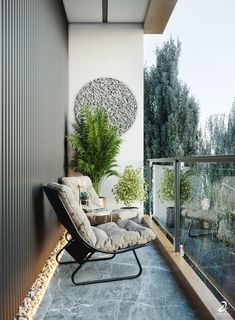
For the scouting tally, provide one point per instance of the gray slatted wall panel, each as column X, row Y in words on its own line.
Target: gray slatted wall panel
column 33, row 95
column 1, row 87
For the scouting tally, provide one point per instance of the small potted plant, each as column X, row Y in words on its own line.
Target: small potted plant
column 167, row 191
column 130, row 187
column 84, row 198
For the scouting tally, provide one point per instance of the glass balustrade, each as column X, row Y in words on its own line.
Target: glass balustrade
column 198, row 213
column 163, row 196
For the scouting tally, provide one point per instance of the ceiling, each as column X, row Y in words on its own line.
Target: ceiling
column 154, row 14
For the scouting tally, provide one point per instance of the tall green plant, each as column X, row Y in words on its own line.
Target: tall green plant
column 96, row 144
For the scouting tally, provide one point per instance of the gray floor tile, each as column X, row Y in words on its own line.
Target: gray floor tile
column 154, row 295
column 139, row 311
column 179, row 312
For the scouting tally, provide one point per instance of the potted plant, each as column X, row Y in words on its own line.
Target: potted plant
column 130, row 187
column 84, row 198
column 167, row 191
column 96, row 144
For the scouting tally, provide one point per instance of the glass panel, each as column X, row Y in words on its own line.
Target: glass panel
column 163, row 196
column 208, row 223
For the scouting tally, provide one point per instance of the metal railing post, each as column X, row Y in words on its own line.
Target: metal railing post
column 177, row 205
column 150, row 186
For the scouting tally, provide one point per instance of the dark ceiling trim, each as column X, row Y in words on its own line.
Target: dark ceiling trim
column 105, row 11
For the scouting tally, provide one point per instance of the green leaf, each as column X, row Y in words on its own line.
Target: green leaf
column 130, row 187
column 95, row 144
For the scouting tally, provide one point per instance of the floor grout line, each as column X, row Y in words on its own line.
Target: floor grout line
column 99, row 297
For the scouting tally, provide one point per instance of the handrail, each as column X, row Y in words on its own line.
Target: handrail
column 207, row 158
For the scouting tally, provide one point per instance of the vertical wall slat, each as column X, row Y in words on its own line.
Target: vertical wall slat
column 1, row 134
column 3, row 85
column 32, row 77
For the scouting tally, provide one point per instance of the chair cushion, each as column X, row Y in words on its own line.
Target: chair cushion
column 75, row 212
column 122, row 234
column 108, row 236
column 82, row 183
column 73, row 185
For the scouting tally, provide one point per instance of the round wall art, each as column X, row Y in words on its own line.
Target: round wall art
column 114, row 96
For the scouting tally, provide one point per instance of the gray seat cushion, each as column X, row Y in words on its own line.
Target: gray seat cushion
column 108, row 236
column 122, row 234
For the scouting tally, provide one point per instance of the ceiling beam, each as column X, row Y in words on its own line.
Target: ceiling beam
column 105, row 11
column 157, row 16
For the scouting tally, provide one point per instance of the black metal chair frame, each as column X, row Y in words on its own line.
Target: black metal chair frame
column 77, row 246
column 197, row 234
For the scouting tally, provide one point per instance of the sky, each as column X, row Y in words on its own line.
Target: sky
column 206, row 29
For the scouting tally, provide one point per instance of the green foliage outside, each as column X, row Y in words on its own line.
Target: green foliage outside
column 218, row 134
column 130, row 187
column 171, row 114
column 231, row 130
column 214, row 136
column 167, row 187
column 96, row 144
column 217, row 138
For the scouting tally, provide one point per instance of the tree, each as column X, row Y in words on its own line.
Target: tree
column 218, row 134
column 217, row 138
column 171, row 113
column 231, row 130
column 214, row 137
column 96, row 144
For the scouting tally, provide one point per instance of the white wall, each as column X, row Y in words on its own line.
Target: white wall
column 114, row 51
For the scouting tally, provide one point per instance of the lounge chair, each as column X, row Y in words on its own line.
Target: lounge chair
column 83, row 183
column 109, row 238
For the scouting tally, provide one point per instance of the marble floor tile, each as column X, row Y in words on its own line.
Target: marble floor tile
column 139, row 311
column 179, row 312
column 86, row 311
column 155, row 295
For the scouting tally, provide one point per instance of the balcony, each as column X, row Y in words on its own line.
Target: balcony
column 192, row 263
column 50, row 51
